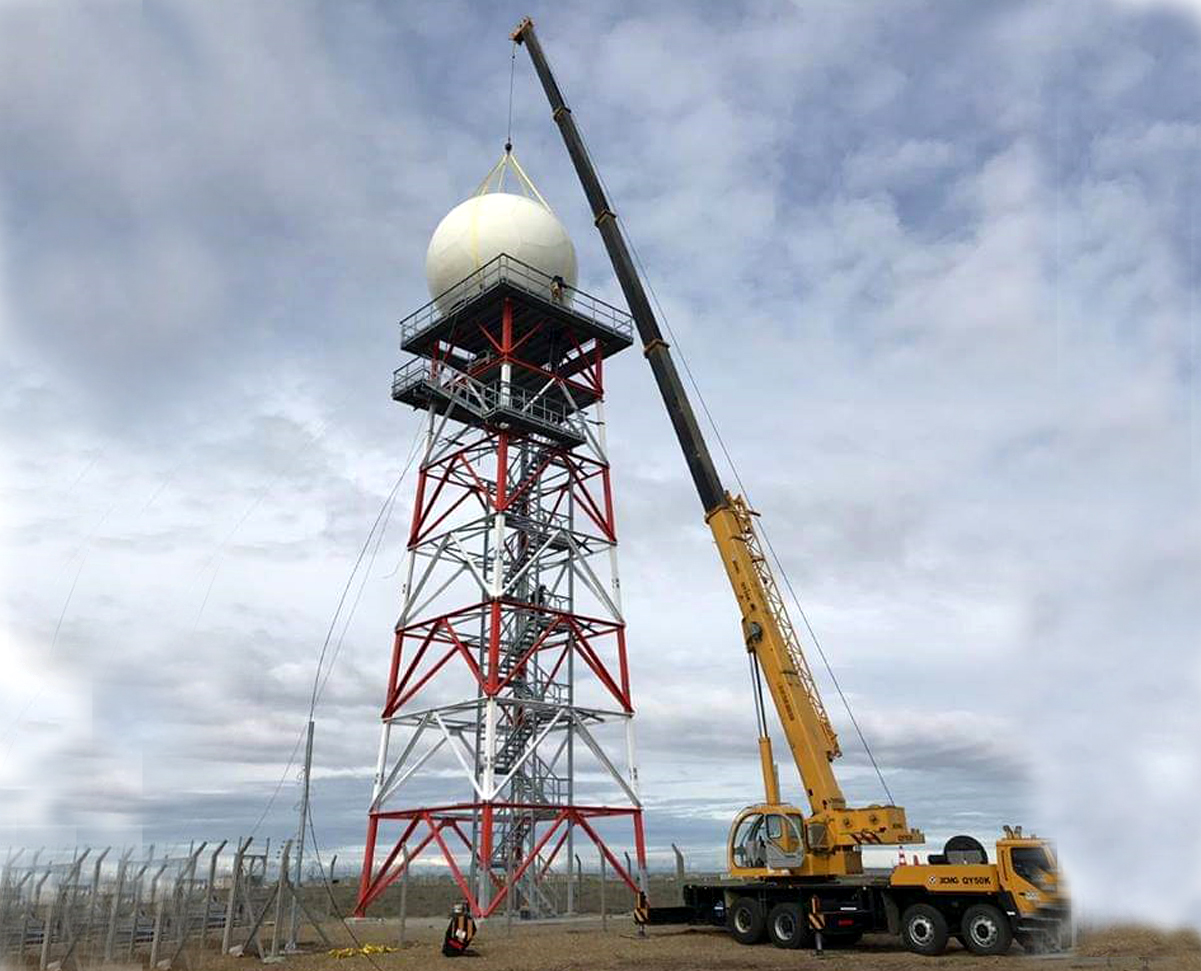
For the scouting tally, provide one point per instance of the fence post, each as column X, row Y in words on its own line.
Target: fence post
column 9, row 859
column 4, row 895
column 604, row 910
column 76, row 873
column 23, row 910
column 579, row 881
column 509, row 893
column 184, row 886
column 37, row 893
column 31, row 911
column 154, row 883
column 280, row 892
column 208, row 896
column 157, row 939
column 404, row 892
column 232, row 904
column 137, row 908
column 90, row 938
column 110, row 937
column 70, row 898
column 48, row 931
column 679, row 863
column 571, row 901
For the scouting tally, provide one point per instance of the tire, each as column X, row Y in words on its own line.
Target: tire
column 986, row 930
column 746, row 922
column 924, row 930
column 788, row 926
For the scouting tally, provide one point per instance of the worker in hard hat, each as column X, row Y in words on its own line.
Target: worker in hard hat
column 459, row 932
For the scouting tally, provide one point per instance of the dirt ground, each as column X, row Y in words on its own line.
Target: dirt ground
column 583, row 945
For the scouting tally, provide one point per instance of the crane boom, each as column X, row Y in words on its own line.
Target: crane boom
column 833, row 832
column 696, row 452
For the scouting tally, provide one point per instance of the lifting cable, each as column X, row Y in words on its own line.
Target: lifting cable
column 745, row 492
column 762, row 530
column 326, row 879
column 376, row 533
column 512, row 73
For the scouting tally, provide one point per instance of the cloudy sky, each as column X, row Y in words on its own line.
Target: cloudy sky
column 935, row 266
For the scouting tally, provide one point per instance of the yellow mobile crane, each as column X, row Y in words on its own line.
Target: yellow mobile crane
column 792, row 874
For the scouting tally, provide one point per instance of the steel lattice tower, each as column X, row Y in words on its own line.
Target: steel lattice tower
column 508, row 686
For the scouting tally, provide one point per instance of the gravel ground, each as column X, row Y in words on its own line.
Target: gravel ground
column 583, row 945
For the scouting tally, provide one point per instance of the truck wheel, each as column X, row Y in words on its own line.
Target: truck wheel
column 985, row 930
column 924, row 930
column 787, row 926
column 746, row 921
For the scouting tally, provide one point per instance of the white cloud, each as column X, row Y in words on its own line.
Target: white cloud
column 934, row 266
column 1192, row 7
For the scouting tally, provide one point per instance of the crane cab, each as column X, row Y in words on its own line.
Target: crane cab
column 767, row 840
column 1029, row 873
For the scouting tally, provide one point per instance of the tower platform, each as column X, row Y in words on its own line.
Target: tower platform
column 545, row 315
column 512, row 349
column 429, row 385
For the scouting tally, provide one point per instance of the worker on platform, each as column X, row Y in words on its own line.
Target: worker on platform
column 459, row 932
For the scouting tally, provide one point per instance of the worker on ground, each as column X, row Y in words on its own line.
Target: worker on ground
column 459, row 932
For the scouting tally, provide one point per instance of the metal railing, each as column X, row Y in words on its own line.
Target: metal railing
column 507, row 269
column 451, row 381
column 483, row 400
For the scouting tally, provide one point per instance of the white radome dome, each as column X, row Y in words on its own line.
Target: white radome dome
column 475, row 232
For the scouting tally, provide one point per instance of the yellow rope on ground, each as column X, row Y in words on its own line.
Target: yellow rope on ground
column 352, row 952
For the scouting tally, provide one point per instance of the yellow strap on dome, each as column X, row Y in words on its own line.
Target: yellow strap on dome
column 494, row 181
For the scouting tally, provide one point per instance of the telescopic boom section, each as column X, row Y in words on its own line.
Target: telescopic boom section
column 769, row 633
column 696, row 452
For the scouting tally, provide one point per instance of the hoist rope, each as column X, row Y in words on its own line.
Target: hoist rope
column 512, row 73
column 762, row 530
column 746, row 494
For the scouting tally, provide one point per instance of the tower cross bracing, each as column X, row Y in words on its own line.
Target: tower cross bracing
column 507, row 732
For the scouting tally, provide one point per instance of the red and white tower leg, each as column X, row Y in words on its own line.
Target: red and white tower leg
column 508, row 688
